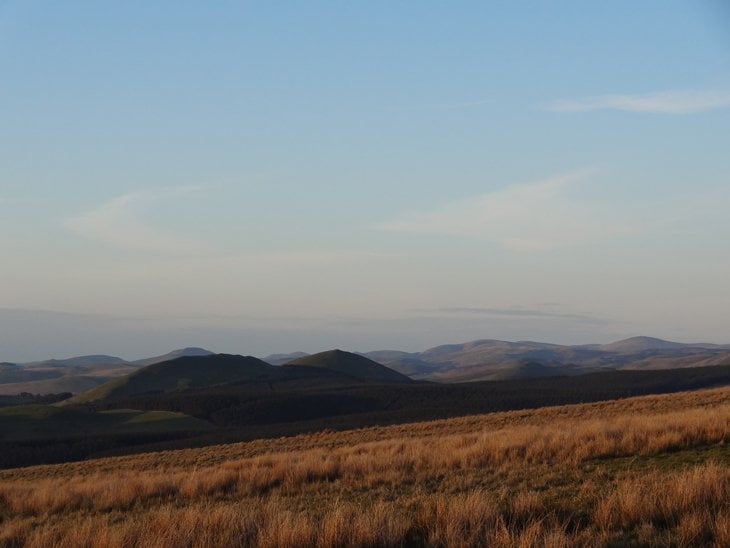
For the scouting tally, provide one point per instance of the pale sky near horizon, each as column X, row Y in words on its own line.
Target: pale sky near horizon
column 259, row 177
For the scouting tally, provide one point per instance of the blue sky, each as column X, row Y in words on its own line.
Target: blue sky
column 261, row 177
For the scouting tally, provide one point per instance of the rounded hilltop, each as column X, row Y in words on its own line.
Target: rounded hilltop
column 351, row 364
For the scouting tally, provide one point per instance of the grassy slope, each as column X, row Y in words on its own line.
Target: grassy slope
column 508, row 371
column 651, row 470
column 27, row 422
column 73, row 384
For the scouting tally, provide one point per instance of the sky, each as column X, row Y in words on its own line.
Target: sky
column 259, row 177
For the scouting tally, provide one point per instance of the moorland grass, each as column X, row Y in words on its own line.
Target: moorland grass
column 651, row 470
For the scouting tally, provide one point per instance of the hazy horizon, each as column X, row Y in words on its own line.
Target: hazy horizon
column 131, row 339
column 259, row 178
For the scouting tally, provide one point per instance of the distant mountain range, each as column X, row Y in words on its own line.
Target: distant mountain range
column 485, row 359
column 492, row 359
column 103, row 359
column 489, row 359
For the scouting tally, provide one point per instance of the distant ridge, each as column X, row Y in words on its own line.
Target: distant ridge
column 189, row 351
column 490, row 359
column 281, row 359
column 483, row 359
column 517, row 370
column 77, row 361
column 355, row 365
column 642, row 344
column 104, row 359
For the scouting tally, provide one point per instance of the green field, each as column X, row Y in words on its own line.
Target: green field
column 35, row 422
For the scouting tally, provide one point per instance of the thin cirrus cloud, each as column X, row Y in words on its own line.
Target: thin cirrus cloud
column 662, row 102
column 529, row 216
column 121, row 222
column 124, row 222
column 520, row 313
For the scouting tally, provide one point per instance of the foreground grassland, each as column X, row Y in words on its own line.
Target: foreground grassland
column 653, row 470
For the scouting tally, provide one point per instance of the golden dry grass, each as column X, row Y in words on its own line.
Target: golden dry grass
column 551, row 477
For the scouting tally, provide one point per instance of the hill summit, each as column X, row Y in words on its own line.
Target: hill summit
column 354, row 365
column 641, row 344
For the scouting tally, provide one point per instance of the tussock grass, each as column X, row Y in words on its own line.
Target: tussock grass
column 541, row 478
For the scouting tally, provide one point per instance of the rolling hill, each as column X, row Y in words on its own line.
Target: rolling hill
column 519, row 369
column 182, row 373
column 182, row 352
column 74, row 384
column 76, row 374
column 488, row 359
column 11, row 373
column 243, row 374
column 281, row 359
column 353, row 365
column 95, row 359
column 635, row 345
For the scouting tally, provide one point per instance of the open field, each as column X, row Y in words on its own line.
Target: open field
column 652, row 469
column 25, row 422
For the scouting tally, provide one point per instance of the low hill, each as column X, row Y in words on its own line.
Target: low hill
column 678, row 361
column 635, row 345
column 76, row 374
column 96, row 359
column 11, row 373
column 281, row 359
column 519, row 369
column 75, row 384
column 407, row 363
column 495, row 352
column 242, row 374
column 179, row 374
column 354, row 365
column 180, row 353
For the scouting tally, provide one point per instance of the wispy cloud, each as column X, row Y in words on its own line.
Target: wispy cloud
column 122, row 222
column 536, row 215
column 664, row 102
column 516, row 313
